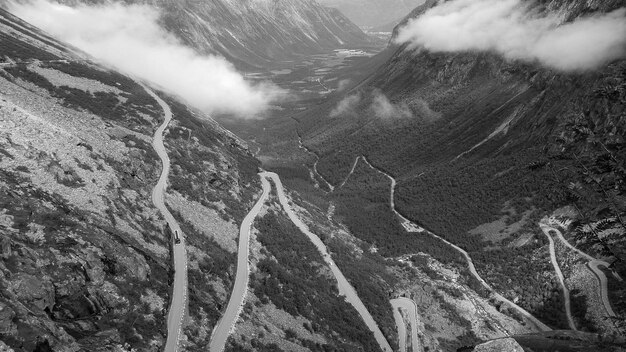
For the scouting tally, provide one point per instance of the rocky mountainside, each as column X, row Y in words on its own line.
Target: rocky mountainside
column 85, row 255
column 260, row 31
column 471, row 137
column 256, row 32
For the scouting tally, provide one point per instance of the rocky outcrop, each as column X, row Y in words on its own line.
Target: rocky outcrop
column 37, row 293
column 7, row 326
column 5, row 348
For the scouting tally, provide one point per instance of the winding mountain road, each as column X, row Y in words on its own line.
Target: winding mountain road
column 343, row 285
column 470, row 263
column 235, row 304
column 178, row 305
column 557, row 269
column 592, row 264
column 409, row 306
column 356, row 162
column 317, row 159
column 408, row 225
column 227, row 323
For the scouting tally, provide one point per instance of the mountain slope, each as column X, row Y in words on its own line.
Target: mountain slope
column 85, row 254
column 260, row 31
column 373, row 13
column 255, row 32
column 469, row 135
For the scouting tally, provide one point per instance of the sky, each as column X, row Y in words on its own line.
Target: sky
column 130, row 39
column 512, row 29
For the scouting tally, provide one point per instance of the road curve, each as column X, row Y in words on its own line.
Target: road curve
column 406, row 223
column 317, row 159
column 227, row 323
column 472, row 269
column 593, row 265
column 356, row 161
column 178, row 304
column 470, row 263
column 411, row 308
column 343, row 285
column 604, row 290
column 559, row 274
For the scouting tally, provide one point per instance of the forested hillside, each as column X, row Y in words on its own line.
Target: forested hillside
column 470, row 134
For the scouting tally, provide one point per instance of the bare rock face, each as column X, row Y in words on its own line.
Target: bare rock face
column 34, row 290
column 5, row 348
column 5, row 247
column 6, row 321
column 94, row 270
column 503, row 345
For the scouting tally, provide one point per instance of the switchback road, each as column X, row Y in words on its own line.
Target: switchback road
column 593, row 265
column 178, row 304
column 470, row 263
column 407, row 305
column 227, row 323
column 559, row 274
column 229, row 319
column 344, row 286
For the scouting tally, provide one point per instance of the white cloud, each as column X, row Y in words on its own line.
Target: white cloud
column 512, row 29
column 423, row 110
column 343, row 85
column 384, row 109
column 346, row 105
column 376, row 103
column 129, row 38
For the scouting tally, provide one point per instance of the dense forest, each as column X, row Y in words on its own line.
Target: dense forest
column 373, row 221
